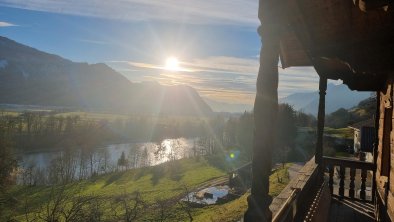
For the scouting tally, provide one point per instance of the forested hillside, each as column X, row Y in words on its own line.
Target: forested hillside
column 345, row 117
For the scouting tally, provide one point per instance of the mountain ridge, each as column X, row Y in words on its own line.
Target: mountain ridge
column 32, row 77
column 228, row 107
column 337, row 96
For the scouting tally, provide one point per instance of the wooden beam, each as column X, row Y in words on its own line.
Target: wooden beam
column 376, row 145
column 320, row 119
column 265, row 110
column 348, row 163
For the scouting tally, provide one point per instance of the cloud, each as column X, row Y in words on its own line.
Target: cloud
column 225, row 64
column 142, row 65
column 96, row 42
column 234, row 65
column 6, row 24
column 187, row 11
column 222, row 78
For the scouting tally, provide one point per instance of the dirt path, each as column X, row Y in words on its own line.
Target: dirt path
column 294, row 169
column 213, row 182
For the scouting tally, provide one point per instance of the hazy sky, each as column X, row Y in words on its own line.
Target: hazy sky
column 215, row 41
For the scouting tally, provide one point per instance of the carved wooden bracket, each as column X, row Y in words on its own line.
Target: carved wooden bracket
column 367, row 5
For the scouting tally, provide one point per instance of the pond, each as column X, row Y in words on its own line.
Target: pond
column 207, row 196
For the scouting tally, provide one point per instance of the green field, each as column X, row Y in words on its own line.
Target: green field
column 234, row 210
column 92, row 115
column 160, row 119
column 8, row 113
column 346, row 133
column 112, row 116
column 153, row 183
column 166, row 183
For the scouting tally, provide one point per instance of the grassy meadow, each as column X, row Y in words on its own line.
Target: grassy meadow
column 166, row 183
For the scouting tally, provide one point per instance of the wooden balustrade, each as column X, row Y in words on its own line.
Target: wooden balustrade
column 305, row 197
column 340, row 165
column 296, row 199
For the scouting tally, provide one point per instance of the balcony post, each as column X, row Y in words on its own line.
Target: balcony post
column 320, row 119
column 376, row 143
column 265, row 111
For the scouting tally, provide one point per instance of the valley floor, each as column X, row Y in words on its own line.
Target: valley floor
column 146, row 194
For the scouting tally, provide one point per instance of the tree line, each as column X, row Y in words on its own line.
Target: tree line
column 80, row 138
column 216, row 137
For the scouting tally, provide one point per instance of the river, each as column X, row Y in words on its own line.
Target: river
column 137, row 155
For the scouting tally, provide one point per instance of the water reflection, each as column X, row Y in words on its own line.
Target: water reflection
column 106, row 159
column 207, row 196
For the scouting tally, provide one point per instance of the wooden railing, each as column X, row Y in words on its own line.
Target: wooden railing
column 285, row 213
column 349, row 182
column 308, row 196
column 294, row 201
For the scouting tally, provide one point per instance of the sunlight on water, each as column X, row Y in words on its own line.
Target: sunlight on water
column 137, row 154
column 207, row 196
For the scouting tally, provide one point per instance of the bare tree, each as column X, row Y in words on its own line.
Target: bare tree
column 128, row 207
column 52, row 210
column 94, row 211
column 75, row 210
column 67, row 207
column 185, row 205
column 122, row 161
column 27, row 211
column 165, row 211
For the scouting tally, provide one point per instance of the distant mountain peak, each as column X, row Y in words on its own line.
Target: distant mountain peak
column 338, row 96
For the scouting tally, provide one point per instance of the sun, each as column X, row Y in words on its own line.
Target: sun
column 172, row 64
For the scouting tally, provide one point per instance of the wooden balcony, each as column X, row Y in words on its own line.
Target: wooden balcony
column 337, row 190
column 352, row 178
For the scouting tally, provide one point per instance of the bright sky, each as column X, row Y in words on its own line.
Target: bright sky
column 214, row 43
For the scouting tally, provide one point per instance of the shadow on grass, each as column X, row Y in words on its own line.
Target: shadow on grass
column 141, row 172
column 172, row 169
column 114, row 178
column 175, row 169
column 157, row 174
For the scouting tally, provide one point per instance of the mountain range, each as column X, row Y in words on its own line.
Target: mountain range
column 228, row 107
column 338, row 96
column 32, row 77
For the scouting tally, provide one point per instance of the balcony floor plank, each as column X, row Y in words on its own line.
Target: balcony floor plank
column 350, row 210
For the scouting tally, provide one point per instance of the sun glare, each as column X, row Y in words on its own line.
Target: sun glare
column 172, row 64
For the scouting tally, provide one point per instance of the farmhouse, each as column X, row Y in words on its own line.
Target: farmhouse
column 364, row 139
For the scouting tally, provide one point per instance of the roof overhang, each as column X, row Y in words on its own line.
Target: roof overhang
column 340, row 41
